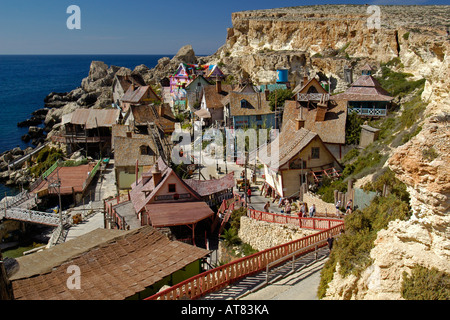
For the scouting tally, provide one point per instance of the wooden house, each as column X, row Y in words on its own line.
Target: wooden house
column 310, row 92
column 88, row 129
column 112, row 264
column 121, row 84
column 327, row 121
column 142, row 95
column 247, row 110
column 366, row 97
column 211, row 103
column 303, row 158
column 134, row 154
column 162, row 199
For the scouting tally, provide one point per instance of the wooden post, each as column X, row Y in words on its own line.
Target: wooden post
column 6, row 291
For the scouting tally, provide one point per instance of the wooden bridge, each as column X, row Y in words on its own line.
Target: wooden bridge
column 224, row 276
column 19, row 208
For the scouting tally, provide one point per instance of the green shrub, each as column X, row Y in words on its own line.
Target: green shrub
column 353, row 128
column 429, row 154
column 426, row 284
column 45, row 159
column 278, row 97
column 397, row 83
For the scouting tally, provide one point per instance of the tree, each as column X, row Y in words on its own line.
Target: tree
column 277, row 97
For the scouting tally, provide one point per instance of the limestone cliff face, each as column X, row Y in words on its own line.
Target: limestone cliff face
column 325, row 38
column 321, row 40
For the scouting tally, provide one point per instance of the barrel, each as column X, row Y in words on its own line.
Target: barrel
column 282, row 75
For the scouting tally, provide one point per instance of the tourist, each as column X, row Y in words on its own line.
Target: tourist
column 312, row 211
column 288, row 208
column 280, row 202
column 338, row 205
column 249, row 195
column 348, row 208
column 330, row 241
column 303, row 209
column 267, row 206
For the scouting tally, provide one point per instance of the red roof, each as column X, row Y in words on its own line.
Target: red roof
column 208, row 187
column 177, row 213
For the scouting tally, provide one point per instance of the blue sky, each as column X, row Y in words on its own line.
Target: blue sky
column 131, row 26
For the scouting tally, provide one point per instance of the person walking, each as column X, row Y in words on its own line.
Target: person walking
column 249, row 195
column 288, row 208
column 303, row 210
column 312, row 211
column 267, row 206
column 330, row 241
column 348, row 208
column 338, row 205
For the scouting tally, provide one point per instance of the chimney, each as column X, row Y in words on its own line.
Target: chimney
column 219, row 86
column 133, row 87
column 161, row 110
column 320, row 112
column 156, row 174
column 266, row 94
column 305, row 80
column 299, row 123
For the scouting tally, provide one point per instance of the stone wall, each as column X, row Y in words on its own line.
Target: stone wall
column 262, row 235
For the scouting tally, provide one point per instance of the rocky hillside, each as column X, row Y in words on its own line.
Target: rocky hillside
column 321, row 40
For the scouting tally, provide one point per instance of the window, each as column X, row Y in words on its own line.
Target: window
column 145, row 150
column 244, row 103
column 172, row 187
column 258, row 117
column 315, row 153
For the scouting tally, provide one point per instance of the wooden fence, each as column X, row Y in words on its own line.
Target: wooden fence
column 220, row 277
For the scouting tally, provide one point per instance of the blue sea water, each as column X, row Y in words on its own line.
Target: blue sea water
column 25, row 80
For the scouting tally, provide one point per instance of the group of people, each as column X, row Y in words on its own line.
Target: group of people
column 287, row 208
column 348, row 207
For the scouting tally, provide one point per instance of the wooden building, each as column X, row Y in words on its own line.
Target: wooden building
column 366, row 97
column 303, row 158
column 88, row 129
column 143, row 95
column 112, row 265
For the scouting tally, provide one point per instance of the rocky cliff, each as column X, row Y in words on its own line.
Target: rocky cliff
column 320, row 41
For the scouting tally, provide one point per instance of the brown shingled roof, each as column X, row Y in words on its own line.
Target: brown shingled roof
column 93, row 118
column 257, row 103
column 208, row 187
column 365, row 88
column 331, row 130
column 114, row 270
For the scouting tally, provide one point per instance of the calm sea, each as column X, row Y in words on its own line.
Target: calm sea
column 25, row 80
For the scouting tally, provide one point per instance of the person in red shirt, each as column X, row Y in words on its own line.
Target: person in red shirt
column 249, row 195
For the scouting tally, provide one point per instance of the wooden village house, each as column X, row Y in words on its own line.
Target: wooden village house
column 162, row 199
column 114, row 265
column 366, row 97
column 303, row 158
column 88, row 129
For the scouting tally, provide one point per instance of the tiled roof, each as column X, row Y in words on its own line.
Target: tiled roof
column 144, row 114
column 365, row 88
column 134, row 96
column 213, row 98
column 256, row 104
column 175, row 214
column 331, row 130
column 208, row 187
column 114, row 270
column 290, row 142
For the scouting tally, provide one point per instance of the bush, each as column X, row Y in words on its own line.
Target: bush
column 279, row 96
column 353, row 128
column 352, row 249
column 426, row 284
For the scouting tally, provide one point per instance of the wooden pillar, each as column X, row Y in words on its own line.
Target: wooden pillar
column 6, row 291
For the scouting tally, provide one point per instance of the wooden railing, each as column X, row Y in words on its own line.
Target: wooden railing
column 220, row 277
column 306, row 223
